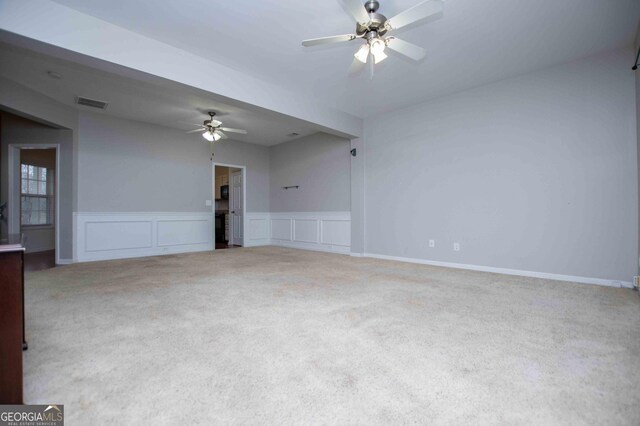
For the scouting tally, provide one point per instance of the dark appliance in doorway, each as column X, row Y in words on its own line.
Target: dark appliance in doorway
column 220, row 228
column 224, row 192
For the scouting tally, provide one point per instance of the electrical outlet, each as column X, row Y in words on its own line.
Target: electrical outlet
column 207, row 203
column 432, row 243
column 636, row 282
column 456, row 246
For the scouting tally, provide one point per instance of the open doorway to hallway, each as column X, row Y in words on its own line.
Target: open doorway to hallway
column 229, row 200
column 34, row 204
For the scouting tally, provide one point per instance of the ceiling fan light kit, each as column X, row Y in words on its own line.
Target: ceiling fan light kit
column 213, row 130
column 373, row 27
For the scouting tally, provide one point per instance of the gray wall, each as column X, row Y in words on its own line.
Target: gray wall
column 320, row 165
column 19, row 130
column 357, row 198
column 534, row 173
column 256, row 159
column 28, row 103
column 637, row 75
column 127, row 166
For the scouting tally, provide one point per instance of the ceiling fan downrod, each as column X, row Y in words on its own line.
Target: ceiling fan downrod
column 372, row 6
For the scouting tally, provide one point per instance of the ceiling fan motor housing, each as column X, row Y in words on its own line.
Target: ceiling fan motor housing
column 375, row 24
column 207, row 123
column 376, row 20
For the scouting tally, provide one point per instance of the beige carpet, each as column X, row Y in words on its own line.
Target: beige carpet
column 279, row 336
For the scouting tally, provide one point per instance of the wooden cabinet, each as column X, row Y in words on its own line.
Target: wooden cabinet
column 12, row 333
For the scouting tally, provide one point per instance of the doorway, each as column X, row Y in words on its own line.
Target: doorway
column 229, row 189
column 33, row 209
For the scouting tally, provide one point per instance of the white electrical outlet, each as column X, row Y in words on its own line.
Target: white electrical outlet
column 636, row 282
column 456, row 246
column 207, row 203
column 432, row 243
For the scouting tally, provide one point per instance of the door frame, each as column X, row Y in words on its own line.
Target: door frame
column 243, row 170
column 13, row 222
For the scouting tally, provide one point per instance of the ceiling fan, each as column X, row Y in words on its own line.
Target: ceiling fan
column 375, row 29
column 213, row 130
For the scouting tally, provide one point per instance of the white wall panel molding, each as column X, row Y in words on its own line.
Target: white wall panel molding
column 321, row 231
column 257, row 232
column 104, row 236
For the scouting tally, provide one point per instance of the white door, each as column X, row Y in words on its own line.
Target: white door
column 236, row 208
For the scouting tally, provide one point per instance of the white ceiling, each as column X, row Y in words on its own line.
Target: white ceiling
column 165, row 103
column 476, row 42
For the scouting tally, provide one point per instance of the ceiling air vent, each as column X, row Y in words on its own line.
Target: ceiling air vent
column 91, row 102
column 292, row 135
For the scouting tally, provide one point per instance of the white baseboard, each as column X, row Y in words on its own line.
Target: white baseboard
column 106, row 236
column 326, row 248
column 544, row 275
column 64, row 262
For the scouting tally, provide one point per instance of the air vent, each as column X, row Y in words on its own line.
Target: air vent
column 91, row 102
column 293, row 135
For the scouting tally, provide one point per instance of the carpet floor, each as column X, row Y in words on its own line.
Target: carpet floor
column 282, row 336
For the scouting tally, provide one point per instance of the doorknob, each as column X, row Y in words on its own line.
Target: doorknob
column 233, row 211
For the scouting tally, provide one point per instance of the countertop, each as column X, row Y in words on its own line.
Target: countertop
column 13, row 242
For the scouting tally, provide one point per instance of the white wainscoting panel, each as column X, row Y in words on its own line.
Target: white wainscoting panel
column 281, row 229
column 336, row 232
column 257, row 232
column 117, row 235
column 180, row 232
column 103, row 236
column 321, row 231
column 306, row 230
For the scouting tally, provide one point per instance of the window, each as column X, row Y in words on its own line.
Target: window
column 36, row 201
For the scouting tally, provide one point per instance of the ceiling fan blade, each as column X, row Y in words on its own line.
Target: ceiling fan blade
column 426, row 9
column 231, row 130
column 222, row 134
column 215, row 123
column 356, row 9
column 407, row 49
column 356, row 67
column 328, row 40
column 196, row 130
